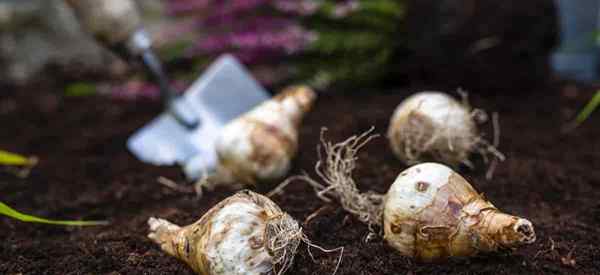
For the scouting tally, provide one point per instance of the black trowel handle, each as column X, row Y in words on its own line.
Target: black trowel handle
column 139, row 45
column 167, row 94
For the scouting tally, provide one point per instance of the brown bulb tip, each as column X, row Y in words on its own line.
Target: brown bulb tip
column 525, row 230
column 163, row 232
column 303, row 95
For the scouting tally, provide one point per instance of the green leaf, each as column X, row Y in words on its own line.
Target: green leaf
column 384, row 7
column 352, row 42
column 175, row 49
column 6, row 210
column 588, row 109
column 8, row 158
column 80, row 89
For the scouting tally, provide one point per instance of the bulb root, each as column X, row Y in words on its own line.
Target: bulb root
column 335, row 167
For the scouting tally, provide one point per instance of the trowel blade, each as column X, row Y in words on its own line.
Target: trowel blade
column 225, row 91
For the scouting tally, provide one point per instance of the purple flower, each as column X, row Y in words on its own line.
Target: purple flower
column 344, row 9
column 186, row 6
column 136, row 89
column 229, row 11
column 300, row 7
column 256, row 31
column 289, row 40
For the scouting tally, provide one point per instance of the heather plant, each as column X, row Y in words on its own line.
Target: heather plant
column 318, row 41
column 358, row 42
column 255, row 30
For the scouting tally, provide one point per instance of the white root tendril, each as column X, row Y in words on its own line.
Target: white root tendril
column 335, row 169
column 482, row 146
column 175, row 186
column 284, row 235
column 498, row 156
column 210, row 180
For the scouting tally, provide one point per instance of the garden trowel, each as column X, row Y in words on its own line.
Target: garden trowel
column 225, row 91
column 185, row 133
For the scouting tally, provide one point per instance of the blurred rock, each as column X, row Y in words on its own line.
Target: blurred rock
column 14, row 13
column 38, row 33
column 483, row 44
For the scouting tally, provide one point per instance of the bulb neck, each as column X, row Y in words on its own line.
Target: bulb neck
column 296, row 101
column 500, row 230
column 187, row 246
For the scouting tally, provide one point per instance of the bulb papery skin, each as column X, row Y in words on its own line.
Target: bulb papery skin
column 432, row 126
column 432, row 213
column 230, row 239
column 260, row 145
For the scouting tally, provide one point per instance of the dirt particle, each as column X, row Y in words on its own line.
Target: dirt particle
column 256, row 242
column 422, row 186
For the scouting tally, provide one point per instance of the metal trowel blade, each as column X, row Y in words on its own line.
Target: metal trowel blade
column 225, row 91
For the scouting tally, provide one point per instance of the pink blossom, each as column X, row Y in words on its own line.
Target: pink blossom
column 137, row 89
column 186, row 6
column 300, row 7
column 344, row 9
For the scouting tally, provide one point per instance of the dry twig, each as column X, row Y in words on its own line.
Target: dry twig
column 175, row 186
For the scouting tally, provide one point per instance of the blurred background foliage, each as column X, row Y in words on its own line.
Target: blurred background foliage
column 330, row 44
column 320, row 42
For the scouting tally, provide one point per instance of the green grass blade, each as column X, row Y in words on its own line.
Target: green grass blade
column 80, row 89
column 6, row 210
column 8, row 158
column 588, row 109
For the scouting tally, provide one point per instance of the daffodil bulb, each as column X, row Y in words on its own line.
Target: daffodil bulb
column 245, row 234
column 259, row 146
column 430, row 212
column 433, row 126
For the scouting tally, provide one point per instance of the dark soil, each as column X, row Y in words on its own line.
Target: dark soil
column 85, row 172
column 487, row 44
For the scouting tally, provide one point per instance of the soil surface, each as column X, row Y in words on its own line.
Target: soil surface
column 85, row 172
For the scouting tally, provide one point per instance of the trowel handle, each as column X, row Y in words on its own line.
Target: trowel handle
column 140, row 45
column 167, row 94
column 153, row 65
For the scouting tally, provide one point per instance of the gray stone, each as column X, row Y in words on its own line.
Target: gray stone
column 38, row 33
